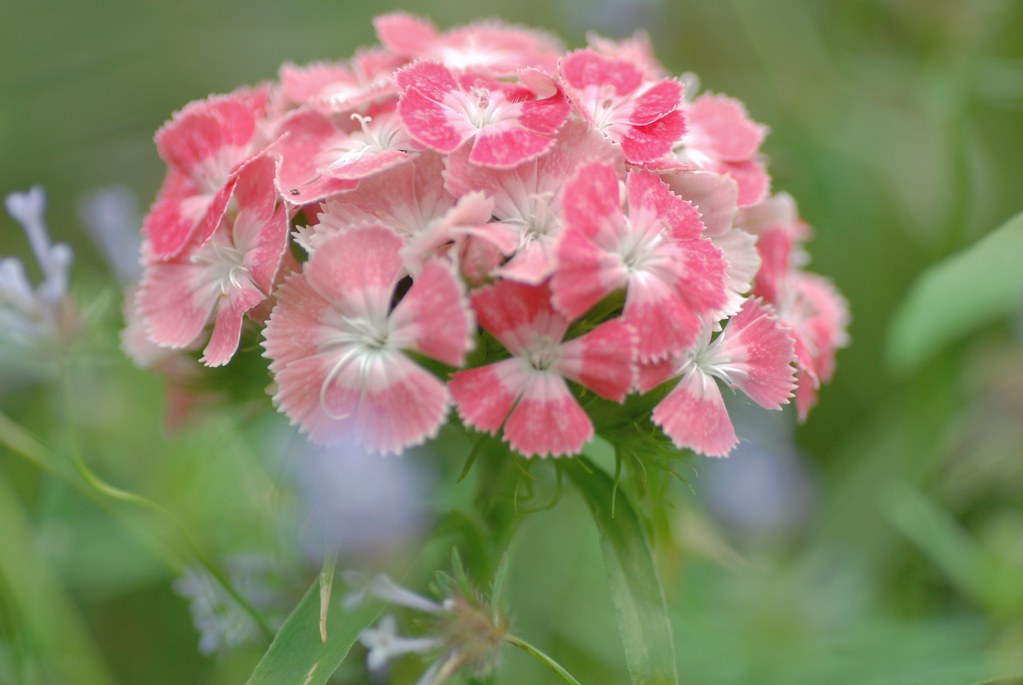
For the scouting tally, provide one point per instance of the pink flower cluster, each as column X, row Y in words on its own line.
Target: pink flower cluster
column 478, row 218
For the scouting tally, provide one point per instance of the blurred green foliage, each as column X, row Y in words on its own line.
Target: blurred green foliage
column 898, row 127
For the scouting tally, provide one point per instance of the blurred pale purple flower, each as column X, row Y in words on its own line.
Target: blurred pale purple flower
column 763, row 493
column 362, row 505
column 30, row 315
column 111, row 216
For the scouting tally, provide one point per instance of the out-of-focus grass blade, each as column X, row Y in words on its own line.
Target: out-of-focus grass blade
column 635, row 588
column 298, row 655
column 959, row 294
column 49, row 618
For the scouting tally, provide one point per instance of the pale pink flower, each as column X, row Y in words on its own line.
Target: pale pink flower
column 753, row 354
column 224, row 277
column 819, row 317
column 338, row 350
column 674, row 277
column 527, row 198
column 408, row 199
column 721, row 137
column 334, row 88
column 204, row 145
column 490, row 47
column 715, row 196
column 779, row 231
column 808, row 303
column 615, row 97
column 636, row 50
column 412, row 201
column 320, row 158
column 527, row 394
column 507, row 123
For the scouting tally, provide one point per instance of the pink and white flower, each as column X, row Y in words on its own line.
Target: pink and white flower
column 527, row 198
column 338, row 350
column 224, row 277
column 204, row 145
column 753, row 353
column 674, row 277
column 527, row 395
column 320, row 158
column 615, row 97
column 507, row 123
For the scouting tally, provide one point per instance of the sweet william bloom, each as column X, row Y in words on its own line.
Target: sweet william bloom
column 753, row 354
column 204, row 145
column 334, row 88
column 490, row 48
column 223, row 278
column 721, row 137
column 408, row 199
column 674, row 278
column 508, row 123
column 527, row 394
column 819, row 317
column 616, row 98
column 715, row 196
column 338, row 350
column 527, row 198
column 320, row 158
column 808, row 303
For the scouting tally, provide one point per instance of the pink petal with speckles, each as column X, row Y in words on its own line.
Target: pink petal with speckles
column 601, row 360
column 725, row 128
column 693, row 415
column 760, row 350
column 547, row 421
column 651, row 141
column 484, row 396
column 434, row 316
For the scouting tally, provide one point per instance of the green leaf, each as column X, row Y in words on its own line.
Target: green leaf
column 958, row 295
column 298, row 655
column 635, row 588
column 547, row 661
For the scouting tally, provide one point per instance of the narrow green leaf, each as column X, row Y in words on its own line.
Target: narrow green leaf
column 298, row 655
column 537, row 654
column 44, row 614
column 958, row 295
column 635, row 588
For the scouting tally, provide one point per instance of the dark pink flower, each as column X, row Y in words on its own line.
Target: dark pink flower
column 507, row 123
column 224, row 277
column 753, row 353
column 615, row 97
column 204, row 145
column 674, row 277
column 527, row 394
column 338, row 349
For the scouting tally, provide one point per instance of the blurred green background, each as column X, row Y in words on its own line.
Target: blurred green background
column 898, row 127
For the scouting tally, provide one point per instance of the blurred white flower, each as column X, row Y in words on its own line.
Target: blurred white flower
column 31, row 315
column 222, row 623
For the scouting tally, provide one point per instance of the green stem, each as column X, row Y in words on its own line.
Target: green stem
column 547, row 661
column 97, row 485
